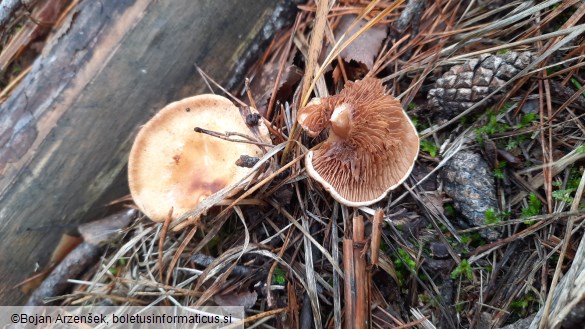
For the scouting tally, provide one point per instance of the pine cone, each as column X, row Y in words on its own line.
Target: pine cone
column 464, row 85
column 468, row 180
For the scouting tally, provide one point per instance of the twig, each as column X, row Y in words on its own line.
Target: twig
column 258, row 317
column 360, row 319
column 348, row 282
column 4, row 93
column 566, row 243
column 161, row 242
column 283, row 59
column 336, row 288
column 205, row 260
column 269, row 297
column 376, row 235
column 317, row 34
column 410, row 15
column 226, row 136
column 179, row 252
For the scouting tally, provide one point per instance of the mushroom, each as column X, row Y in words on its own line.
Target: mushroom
column 171, row 166
column 371, row 147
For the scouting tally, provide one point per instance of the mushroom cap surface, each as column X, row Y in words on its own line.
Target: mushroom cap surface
column 173, row 167
column 372, row 144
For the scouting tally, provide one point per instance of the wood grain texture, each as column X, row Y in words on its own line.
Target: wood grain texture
column 66, row 131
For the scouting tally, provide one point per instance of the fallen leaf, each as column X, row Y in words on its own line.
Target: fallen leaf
column 101, row 230
column 263, row 84
column 364, row 48
column 246, row 299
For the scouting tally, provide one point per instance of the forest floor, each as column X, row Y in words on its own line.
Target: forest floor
column 486, row 230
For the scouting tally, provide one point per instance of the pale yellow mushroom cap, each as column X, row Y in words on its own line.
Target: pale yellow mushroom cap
column 172, row 166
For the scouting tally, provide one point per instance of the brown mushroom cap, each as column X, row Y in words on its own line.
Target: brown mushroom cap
column 372, row 144
column 172, row 166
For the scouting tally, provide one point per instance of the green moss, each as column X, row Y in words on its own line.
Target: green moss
column 466, row 238
column 533, row 209
column 404, row 259
column 402, row 263
column 449, row 209
column 564, row 195
column 493, row 126
column 493, row 216
column 490, row 216
column 460, row 307
column 527, row 119
column 463, row 269
column 515, row 141
column 577, row 85
column 499, row 170
column 431, row 148
column 521, row 305
column 279, row 276
column 472, row 239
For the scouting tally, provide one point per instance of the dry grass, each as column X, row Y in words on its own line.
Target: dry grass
column 282, row 237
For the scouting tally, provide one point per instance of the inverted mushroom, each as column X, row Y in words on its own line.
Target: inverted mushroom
column 372, row 144
column 173, row 167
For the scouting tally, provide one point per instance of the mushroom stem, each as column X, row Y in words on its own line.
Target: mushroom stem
column 340, row 121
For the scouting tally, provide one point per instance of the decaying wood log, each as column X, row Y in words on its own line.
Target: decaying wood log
column 66, row 130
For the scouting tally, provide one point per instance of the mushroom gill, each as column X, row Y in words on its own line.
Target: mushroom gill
column 371, row 148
